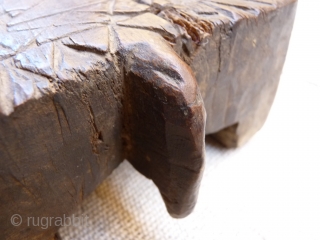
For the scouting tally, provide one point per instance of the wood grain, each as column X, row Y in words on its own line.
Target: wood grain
column 87, row 84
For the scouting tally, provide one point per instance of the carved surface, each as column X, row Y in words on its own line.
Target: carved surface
column 86, row 84
column 53, row 40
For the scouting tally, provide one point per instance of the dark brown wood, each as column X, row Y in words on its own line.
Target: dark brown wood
column 85, row 85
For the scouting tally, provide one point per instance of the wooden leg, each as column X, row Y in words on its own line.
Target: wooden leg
column 164, row 121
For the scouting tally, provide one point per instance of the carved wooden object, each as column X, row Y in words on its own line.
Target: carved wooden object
column 87, row 84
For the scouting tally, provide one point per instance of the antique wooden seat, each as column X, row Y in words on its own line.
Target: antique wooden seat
column 87, row 84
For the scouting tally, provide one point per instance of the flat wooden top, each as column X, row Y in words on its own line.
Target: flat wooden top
column 43, row 43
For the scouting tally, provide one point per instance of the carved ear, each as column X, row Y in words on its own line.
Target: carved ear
column 164, row 122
